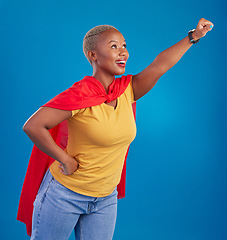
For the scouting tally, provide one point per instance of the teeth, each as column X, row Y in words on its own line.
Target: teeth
column 122, row 62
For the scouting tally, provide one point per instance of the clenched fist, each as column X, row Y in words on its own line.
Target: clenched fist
column 202, row 28
column 69, row 166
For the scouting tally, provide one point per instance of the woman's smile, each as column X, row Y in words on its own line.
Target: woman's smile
column 121, row 62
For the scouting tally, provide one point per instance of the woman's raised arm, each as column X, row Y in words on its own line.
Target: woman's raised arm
column 37, row 127
column 144, row 81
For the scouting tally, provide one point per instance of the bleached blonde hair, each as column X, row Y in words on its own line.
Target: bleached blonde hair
column 92, row 36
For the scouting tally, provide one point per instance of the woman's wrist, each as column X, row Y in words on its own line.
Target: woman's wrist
column 65, row 158
column 195, row 37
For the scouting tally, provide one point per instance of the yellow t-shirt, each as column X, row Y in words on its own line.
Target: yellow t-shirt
column 98, row 138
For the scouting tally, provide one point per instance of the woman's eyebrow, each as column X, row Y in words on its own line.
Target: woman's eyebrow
column 114, row 41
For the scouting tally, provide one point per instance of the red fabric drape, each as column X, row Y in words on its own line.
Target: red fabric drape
column 85, row 93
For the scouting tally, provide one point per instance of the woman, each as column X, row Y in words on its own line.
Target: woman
column 79, row 191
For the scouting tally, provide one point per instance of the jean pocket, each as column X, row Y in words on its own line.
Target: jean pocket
column 43, row 181
column 45, row 190
column 57, row 182
column 45, row 185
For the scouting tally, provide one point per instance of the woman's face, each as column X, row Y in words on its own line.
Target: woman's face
column 111, row 54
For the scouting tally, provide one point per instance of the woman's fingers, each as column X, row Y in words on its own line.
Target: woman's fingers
column 207, row 26
column 69, row 167
column 62, row 169
column 203, row 27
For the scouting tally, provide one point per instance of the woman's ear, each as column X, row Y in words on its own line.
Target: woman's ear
column 92, row 55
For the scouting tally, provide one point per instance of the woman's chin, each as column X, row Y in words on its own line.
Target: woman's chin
column 120, row 72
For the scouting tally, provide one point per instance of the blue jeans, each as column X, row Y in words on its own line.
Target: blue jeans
column 58, row 210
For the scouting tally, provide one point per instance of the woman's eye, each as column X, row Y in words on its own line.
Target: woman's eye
column 124, row 45
column 114, row 46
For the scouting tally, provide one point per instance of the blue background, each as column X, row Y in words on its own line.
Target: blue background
column 176, row 175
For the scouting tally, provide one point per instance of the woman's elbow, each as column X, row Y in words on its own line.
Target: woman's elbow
column 27, row 127
column 31, row 126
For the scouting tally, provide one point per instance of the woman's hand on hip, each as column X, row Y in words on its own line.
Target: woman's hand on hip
column 69, row 166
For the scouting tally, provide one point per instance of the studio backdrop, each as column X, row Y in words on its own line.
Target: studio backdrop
column 176, row 169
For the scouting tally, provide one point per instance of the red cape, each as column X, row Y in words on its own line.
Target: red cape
column 86, row 93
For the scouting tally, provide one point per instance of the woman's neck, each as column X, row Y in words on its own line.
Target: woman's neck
column 103, row 78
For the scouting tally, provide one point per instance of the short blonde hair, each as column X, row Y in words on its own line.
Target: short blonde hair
column 92, row 36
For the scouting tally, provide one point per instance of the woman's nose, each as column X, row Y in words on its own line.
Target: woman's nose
column 123, row 52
